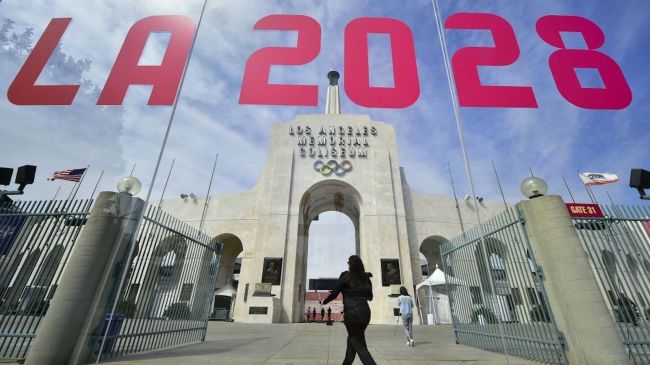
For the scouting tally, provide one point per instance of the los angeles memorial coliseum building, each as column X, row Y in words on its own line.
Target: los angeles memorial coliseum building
column 315, row 164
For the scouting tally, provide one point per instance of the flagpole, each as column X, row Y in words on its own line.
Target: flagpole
column 96, row 185
column 499, row 182
column 626, row 229
column 592, row 194
column 453, row 188
column 593, row 201
column 131, row 245
column 468, row 169
column 592, row 198
column 614, row 206
column 57, row 192
column 81, row 180
column 567, row 187
column 72, row 190
column 162, row 195
column 207, row 197
column 133, row 169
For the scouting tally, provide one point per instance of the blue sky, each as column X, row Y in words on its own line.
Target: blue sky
column 556, row 138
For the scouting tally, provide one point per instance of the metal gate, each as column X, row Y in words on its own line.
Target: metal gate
column 168, row 291
column 165, row 301
column 619, row 251
column 36, row 239
column 496, row 292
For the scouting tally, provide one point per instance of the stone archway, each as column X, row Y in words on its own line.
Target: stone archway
column 226, row 284
column 430, row 248
column 493, row 268
column 324, row 196
column 497, row 254
column 164, row 268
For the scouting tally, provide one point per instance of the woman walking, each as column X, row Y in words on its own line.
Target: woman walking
column 357, row 291
column 405, row 303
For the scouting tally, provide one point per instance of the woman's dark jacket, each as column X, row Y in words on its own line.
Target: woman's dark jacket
column 357, row 291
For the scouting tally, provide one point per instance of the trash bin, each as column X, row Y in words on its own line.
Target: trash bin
column 113, row 331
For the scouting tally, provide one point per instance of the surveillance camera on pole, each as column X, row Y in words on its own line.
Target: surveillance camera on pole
column 640, row 180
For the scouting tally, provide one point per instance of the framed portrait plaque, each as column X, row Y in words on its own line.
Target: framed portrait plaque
column 272, row 270
column 390, row 274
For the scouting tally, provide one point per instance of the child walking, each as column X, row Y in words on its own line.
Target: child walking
column 405, row 303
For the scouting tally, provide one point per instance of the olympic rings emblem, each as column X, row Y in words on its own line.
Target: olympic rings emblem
column 332, row 166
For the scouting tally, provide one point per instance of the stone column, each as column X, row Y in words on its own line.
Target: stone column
column 573, row 292
column 81, row 298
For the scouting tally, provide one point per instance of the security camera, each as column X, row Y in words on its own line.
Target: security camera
column 183, row 196
column 480, row 199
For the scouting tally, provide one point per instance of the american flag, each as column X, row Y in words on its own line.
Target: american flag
column 69, row 175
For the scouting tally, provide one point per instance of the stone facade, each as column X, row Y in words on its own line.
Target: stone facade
column 272, row 220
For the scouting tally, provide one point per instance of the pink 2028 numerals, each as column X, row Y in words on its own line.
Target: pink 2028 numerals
column 563, row 62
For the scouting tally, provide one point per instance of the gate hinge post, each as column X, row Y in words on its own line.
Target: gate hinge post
column 560, row 336
column 522, row 217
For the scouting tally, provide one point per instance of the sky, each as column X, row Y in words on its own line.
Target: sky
column 557, row 138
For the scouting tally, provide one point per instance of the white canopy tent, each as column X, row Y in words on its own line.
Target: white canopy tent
column 226, row 291
column 439, row 311
column 438, row 280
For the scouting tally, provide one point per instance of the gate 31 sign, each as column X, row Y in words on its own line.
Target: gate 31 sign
column 256, row 89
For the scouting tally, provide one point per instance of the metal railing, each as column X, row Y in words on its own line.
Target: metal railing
column 496, row 292
column 619, row 250
column 36, row 239
column 168, row 291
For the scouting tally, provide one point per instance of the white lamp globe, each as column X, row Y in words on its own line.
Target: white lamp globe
column 129, row 185
column 533, row 187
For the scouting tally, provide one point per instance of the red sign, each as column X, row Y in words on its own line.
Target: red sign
column 584, row 210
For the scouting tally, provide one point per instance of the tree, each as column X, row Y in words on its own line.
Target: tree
column 80, row 131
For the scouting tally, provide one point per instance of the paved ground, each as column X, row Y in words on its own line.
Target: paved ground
column 317, row 344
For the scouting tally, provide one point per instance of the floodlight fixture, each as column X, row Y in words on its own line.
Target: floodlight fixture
column 640, row 180
column 5, row 175
column 190, row 195
column 25, row 175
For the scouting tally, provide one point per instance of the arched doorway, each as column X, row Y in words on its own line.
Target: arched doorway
column 494, row 268
column 225, row 290
column 430, row 249
column 433, row 303
column 331, row 241
column 324, row 196
column 163, row 273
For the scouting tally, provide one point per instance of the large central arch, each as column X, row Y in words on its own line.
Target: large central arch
column 324, row 196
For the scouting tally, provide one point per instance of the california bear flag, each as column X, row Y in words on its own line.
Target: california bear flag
column 597, row 178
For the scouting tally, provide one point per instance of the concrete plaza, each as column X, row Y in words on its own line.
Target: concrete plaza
column 318, row 344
